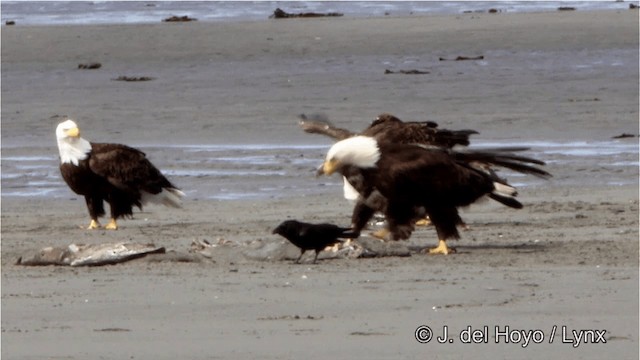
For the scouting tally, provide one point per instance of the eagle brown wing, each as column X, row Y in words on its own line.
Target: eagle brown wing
column 126, row 168
column 430, row 174
column 388, row 128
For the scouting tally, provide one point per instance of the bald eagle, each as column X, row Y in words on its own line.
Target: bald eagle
column 417, row 180
column 117, row 174
column 389, row 128
column 385, row 128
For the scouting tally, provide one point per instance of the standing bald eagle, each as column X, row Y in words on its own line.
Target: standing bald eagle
column 417, row 180
column 117, row 174
column 389, row 129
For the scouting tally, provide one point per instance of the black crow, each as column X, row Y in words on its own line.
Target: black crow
column 312, row 236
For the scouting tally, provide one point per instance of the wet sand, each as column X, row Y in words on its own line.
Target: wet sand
column 568, row 260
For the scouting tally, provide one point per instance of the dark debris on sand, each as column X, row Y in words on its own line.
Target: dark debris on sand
column 133, row 78
column 174, row 18
column 90, row 66
column 281, row 14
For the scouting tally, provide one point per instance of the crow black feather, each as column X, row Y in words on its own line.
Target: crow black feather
column 308, row 236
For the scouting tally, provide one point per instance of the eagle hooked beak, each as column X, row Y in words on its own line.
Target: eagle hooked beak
column 328, row 167
column 73, row 132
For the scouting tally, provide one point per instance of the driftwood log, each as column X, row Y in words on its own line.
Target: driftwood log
column 463, row 58
column 133, row 78
column 90, row 66
column 407, row 72
column 174, row 18
column 281, row 14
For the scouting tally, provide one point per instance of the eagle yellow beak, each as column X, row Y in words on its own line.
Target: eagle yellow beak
column 329, row 167
column 73, row 132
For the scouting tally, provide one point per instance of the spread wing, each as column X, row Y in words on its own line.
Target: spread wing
column 425, row 133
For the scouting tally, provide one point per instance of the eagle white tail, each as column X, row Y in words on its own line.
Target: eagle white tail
column 505, row 195
column 504, row 190
column 168, row 197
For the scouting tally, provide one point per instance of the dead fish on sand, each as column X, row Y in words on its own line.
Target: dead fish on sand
column 89, row 254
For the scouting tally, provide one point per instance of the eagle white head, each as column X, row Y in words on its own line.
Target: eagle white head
column 359, row 151
column 72, row 147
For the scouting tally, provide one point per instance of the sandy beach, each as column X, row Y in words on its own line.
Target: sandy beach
column 522, row 280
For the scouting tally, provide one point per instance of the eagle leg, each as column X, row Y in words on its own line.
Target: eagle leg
column 300, row 257
column 94, row 224
column 111, row 225
column 442, row 248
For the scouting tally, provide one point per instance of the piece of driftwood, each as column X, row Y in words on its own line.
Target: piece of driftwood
column 281, row 14
column 174, row 18
column 463, row 58
column 566, row 8
column 133, row 78
column 407, row 72
column 631, row 6
column 90, row 66
column 623, row 136
column 10, row 22
column 490, row 11
column 581, row 100
column 89, row 254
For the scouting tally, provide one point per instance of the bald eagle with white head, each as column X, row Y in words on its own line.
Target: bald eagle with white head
column 118, row 174
column 389, row 129
column 420, row 180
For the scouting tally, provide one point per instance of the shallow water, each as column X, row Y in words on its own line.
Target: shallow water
column 135, row 12
column 261, row 171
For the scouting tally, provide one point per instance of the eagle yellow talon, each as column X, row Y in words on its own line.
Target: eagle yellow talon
column 93, row 225
column 442, row 248
column 423, row 222
column 111, row 225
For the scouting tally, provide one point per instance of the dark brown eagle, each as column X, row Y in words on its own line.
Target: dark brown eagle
column 117, row 174
column 420, row 180
column 390, row 129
